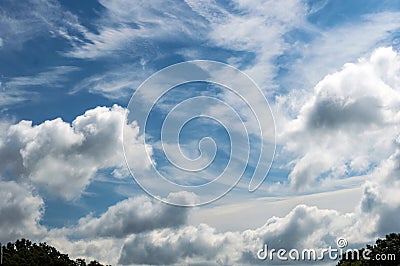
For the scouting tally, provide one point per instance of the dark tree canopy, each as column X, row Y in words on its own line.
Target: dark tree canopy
column 24, row 252
column 390, row 245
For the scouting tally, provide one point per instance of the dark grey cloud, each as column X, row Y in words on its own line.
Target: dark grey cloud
column 333, row 113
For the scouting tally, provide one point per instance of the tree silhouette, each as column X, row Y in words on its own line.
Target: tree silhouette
column 24, row 252
column 390, row 245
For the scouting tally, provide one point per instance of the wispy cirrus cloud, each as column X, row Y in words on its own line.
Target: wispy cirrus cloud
column 19, row 89
column 131, row 28
column 117, row 84
column 51, row 78
column 331, row 48
column 35, row 18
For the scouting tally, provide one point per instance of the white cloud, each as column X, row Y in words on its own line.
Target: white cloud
column 20, row 212
column 62, row 158
column 349, row 121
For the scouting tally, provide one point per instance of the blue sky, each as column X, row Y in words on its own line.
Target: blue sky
column 330, row 71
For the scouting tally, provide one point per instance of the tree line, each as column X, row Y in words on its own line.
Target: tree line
column 23, row 253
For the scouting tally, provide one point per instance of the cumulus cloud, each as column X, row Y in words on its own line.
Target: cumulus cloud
column 349, row 121
column 63, row 157
column 185, row 245
column 101, row 238
column 121, row 230
column 380, row 198
column 20, row 212
column 136, row 215
column 303, row 227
